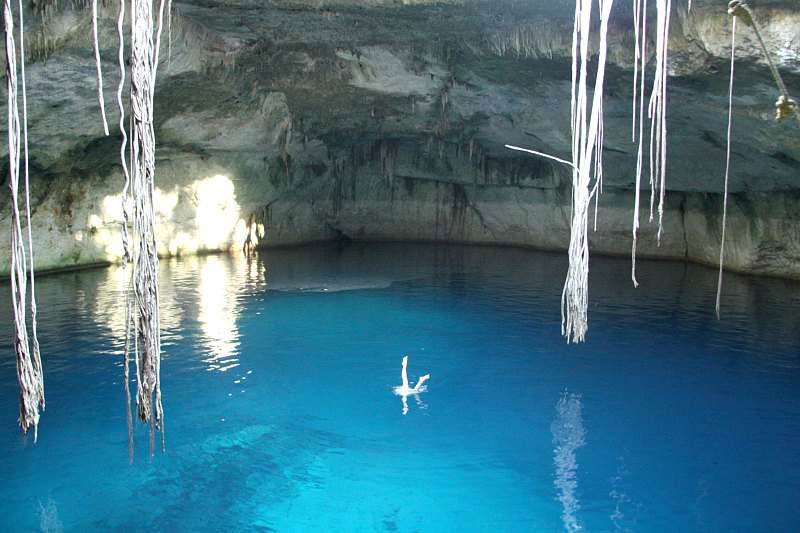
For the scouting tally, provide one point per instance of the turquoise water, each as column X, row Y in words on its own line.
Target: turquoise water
column 278, row 375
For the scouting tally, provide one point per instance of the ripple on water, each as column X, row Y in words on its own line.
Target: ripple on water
column 278, row 373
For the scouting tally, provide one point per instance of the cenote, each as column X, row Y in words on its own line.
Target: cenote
column 400, row 266
column 278, row 372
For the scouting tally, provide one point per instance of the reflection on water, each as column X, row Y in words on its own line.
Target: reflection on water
column 417, row 399
column 103, row 302
column 196, row 293
column 48, row 518
column 223, row 282
column 672, row 295
column 305, row 435
column 217, row 313
column 568, row 436
column 620, row 497
column 109, row 302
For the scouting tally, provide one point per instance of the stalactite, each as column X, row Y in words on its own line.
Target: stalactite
column 28, row 358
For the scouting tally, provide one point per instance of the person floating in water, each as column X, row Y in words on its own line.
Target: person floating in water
column 404, row 391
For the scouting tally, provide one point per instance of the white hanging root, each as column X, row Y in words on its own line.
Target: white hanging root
column 29, row 364
column 146, row 322
column 598, row 162
column 156, row 50
column 587, row 159
column 640, row 19
column 587, row 132
column 126, row 374
column 34, row 326
column 100, row 98
column 126, row 187
column 541, row 154
column 125, row 236
column 637, row 7
column 658, row 112
column 169, row 33
column 727, row 167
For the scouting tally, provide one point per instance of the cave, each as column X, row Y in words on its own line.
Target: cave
column 400, row 265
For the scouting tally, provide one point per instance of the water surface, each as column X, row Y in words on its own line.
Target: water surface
column 278, row 375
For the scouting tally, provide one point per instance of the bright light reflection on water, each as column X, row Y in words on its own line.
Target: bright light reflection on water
column 278, row 379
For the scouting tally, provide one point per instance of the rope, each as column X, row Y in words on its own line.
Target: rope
column 727, row 167
column 785, row 106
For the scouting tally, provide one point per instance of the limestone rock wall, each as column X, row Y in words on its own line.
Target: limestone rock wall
column 296, row 121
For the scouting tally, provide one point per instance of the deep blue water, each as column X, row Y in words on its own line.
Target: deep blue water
column 277, row 378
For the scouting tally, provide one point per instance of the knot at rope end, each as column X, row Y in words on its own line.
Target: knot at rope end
column 738, row 8
column 785, row 107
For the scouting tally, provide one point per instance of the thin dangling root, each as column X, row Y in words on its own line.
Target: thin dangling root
column 100, row 98
column 640, row 9
column 657, row 111
column 28, row 358
column 727, row 168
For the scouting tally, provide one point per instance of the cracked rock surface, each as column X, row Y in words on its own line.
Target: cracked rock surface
column 292, row 121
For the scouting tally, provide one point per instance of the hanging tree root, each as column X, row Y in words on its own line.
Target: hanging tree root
column 29, row 363
column 587, row 140
column 727, row 168
column 99, row 67
column 144, row 315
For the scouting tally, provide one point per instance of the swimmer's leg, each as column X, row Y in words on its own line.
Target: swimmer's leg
column 421, row 381
column 404, row 375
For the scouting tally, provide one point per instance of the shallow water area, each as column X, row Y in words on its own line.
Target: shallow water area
column 278, row 377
